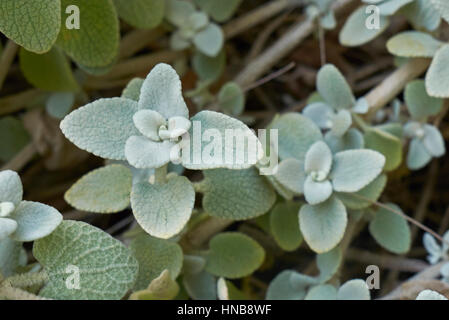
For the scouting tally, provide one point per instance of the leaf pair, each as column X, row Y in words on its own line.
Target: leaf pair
column 23, row 221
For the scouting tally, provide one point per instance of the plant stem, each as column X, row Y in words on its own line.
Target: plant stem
column 6, row 60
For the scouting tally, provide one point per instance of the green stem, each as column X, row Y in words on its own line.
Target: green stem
column 360, row 122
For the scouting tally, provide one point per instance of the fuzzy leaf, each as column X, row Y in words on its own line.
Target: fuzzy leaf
column 11, row 189
column 105, row 190
column 34, row 221
column 334, row 89
column 419, row 103
column 436, row 80
column 430, row 295
column 352, row 139
column 163, row 210
column 144, row 14
column 154, row 256
column 107, row 269
column 33, row 24
column 7, row 227
column 49, row 71
column 320, row 113
column 434, row 141
column 317, row 192
column 231, row 99
column 418, row 156
column 102, row 127
column 372, row 191
column 322, row 292
column 12, row 255
column 210, row 40
column 201, row 286
column 389, row 8
column 142, row 153
column 291, row 175
column 132, row 90
column 298, row 134
column 328, row 264
column 289, row 285
column 387, row 144
column 354, row 290
column 422, row 14
column 390, row 230
column 413, row 44
column 231, row 144
column 234, row 255
column 219, row 10
column 161, row 288
column 443, row 7
column 95, row 44
column 14, row 137
column 323, row 225
column 162, row 92
column 209, row 68
column 355, row 169
column 355, row 32
column 236, row 194
column 284, row 225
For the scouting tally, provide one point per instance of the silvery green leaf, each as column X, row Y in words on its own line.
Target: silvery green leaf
column 444, row 271
column 143, row 153
column 280, row 189
column 413, row 44
column 102, row 127
column 198, row 20
column 323, row 225
column 389, row 8
column 422, row 14
column 322, row 292
column 355, row 169
column 318, row 159
column 236, row 194
column 418, row 156
column 436, row 81
column 105, row 190
column 289, row 285
column 154, row 256
column 390, row 230
column 334, row 89
column 328, row 264
column 177, row 126
column 231, row 99
column 220, row 151
column 208, row 68
column 317, row 192
column 11, row 189
column 210, row 40
column 7, row 227
column 341, row 122
column 219, row 10
column 355, row 31
column 107, row 269
column 143, row 14
column 361, row 106
column 59, row 104
column 419, row 103
column 163, row 210
column 11, row 253
column 14, row 137
column 193, row 264
column 432, row 247
column 352, row 139
column 389, row 145
column 354, row 290
column 148, row 123
column 443, row 7
column 298, row 134
column 290, row 174
column 34, row 221
column 328, row 21
column 445, row 246
column 201, row 286
column 430, row 295
column 162, row 92
column 371, row 191
column 222, row 289
column 233, row 255
column 161, row 288
column 284, row 225
column 132, row 90
column 433, row 141
column 320, row 113
column 178, row 42
column 178, row 11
